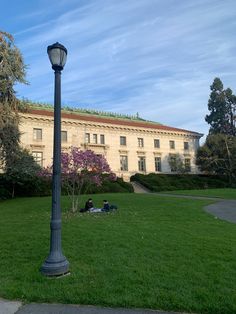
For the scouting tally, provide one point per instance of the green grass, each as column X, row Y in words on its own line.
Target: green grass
column 221, row 193
column 154, row 252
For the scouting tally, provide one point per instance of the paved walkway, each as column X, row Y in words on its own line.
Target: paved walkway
column 8, row 307
column 225, row 209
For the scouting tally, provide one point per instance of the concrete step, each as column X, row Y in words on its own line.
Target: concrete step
column 139, row 188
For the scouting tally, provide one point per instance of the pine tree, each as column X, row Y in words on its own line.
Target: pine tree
column 231, row 109
column 221, row 106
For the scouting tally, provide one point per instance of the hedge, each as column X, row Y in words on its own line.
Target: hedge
column 41, row 187
column 170, row 182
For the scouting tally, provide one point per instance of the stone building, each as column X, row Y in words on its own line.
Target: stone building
column 130, row 145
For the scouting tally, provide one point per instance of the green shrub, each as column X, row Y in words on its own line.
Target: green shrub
column 34, row 186
column 38, row 186
column 170, row 182
column 118, row 186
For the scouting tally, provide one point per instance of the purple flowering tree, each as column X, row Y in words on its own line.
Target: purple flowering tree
column 79, row 170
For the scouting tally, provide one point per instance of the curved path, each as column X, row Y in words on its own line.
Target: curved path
column 222, row 208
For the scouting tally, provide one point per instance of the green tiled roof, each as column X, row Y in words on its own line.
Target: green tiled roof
column 29, row 104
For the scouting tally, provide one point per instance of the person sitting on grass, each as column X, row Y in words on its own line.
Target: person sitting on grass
column 88, row 206
column 106, row 206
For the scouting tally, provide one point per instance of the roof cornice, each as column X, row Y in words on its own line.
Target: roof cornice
column 111, row 121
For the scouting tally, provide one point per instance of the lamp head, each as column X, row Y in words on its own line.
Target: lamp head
column 57, row 55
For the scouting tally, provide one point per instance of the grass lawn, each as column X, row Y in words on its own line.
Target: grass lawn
column 154, row 252
column 221, row 193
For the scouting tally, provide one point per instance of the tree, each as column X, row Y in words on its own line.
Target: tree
column 12, row 71
column 222, row 104
column 176, row 163
column 218, row 156
column 22, row 169
column 79, row 170
column 231, row 109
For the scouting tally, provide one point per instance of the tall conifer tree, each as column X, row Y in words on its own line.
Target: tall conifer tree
column 222, row 107
column 12, row 71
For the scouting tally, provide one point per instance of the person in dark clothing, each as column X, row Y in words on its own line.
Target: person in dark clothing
column 106, row 206
column 88, row 206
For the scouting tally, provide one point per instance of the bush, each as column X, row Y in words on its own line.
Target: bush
column 34, row 186
column 39, row 186
column 118, row 186
column 170, row 182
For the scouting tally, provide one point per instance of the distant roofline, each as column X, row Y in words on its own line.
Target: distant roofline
column 109, row 120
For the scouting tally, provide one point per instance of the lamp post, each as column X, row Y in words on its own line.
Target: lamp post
column 56, row 263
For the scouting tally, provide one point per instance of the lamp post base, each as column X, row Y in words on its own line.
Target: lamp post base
column 55, row 268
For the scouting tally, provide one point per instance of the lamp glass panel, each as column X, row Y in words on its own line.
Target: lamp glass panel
column 57, row 56
column 54, row 56
column 63, row 58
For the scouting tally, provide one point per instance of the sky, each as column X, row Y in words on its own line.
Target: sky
column 154, row 57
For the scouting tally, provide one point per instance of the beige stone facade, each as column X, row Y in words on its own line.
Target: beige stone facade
column 130, row 146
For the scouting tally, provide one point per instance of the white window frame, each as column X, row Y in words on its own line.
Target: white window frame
column 123, row 141
column 142, row 163
column 38, row 157
column 140, row 142
column 123, row 162
column 37, row 134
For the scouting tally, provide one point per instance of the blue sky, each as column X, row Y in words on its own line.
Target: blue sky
column 154, row 57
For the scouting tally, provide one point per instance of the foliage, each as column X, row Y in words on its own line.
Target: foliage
column 81, row 169
column 40, row 186
column 171, row 182
column 12, row 71
column 21, row 169
column 108, row 186
column 218, row 156
column 9, row 142
column 222, row 106
column 176, row 163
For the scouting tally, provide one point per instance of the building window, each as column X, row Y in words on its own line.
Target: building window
column 102, row 139
column 123, row 140
column 172, row 144
column 87, row 138
column 186, row 145
column 95, row 138
column 64, row 136
column 187, row 164
column 157, row 143
column 124, row 163
column 37, row 134
column 158, row 164
column 140, row 142
column 38, row 157
column 173, row 163
column 141, row 163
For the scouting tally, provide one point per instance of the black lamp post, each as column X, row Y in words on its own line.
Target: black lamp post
column 56, row 264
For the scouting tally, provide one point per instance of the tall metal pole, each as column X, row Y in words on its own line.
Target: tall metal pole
column 56, row 263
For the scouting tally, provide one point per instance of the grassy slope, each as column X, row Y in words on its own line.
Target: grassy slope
column 154, row 252
column 221, row 193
